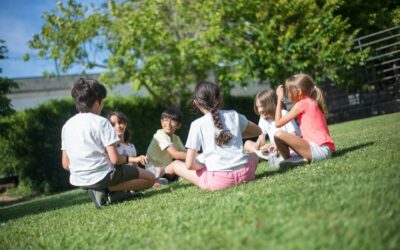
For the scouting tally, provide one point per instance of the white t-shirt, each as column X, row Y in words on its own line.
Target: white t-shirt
column 202, row 136
column 126, row 149
column 268, row 127
column 85, row 137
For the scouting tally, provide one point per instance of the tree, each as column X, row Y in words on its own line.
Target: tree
column 164, row 46
column 6, row 85
column 374, row 17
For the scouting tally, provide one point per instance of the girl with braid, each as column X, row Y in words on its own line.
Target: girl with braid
column 218, row 133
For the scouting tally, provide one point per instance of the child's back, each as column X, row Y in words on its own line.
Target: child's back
column 313, row 124
column 89, row 149
column 84, row 136
column 218, row 133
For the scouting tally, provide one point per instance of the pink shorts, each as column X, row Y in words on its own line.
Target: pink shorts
column 215, row 180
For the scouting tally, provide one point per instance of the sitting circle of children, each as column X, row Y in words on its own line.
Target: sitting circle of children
column 97, row 152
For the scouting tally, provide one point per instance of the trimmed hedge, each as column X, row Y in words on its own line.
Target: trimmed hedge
column 30, row 140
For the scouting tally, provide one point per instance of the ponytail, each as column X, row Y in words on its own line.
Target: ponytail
column 307, row 85
column 318, row 96
column 223, row 136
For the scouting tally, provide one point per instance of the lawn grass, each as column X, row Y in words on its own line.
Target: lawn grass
column 351, row 201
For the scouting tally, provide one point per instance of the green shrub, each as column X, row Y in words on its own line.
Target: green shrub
column 32, row 143
column 30, row 140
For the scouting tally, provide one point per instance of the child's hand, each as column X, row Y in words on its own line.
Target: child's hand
column 143, row 159
column 257, row 145
column 280, row 93
column 268, row 148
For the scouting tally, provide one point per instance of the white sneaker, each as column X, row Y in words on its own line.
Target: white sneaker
column 293, row 161
column 261, row 155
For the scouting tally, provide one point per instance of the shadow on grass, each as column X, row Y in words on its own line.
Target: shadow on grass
column 42, row 205
column 338, row 153
column 270, row 173
column 172, row 186
column 344, row 151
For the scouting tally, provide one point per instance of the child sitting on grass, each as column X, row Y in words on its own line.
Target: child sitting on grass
column 166, row 146
column 89, row 151
column 218, row 133
column 119, row 122
column 264, row 106
column 310, row 110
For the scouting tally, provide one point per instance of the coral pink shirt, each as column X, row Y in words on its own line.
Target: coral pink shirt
column 312, row 123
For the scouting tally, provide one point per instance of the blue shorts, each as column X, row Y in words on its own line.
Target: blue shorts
column 319, row 153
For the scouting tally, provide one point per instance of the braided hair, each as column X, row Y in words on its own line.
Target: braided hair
column 207, row 95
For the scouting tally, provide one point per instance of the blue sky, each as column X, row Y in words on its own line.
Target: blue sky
column 19, row 21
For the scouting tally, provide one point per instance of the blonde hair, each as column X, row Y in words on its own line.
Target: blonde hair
column 267, row 98
column 306, row 84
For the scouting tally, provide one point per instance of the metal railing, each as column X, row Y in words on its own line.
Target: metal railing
column 378, row 80
column 383, row 66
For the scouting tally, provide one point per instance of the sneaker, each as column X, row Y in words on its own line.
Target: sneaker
column 160, row 182
column 98, row 197
column 170, row 177
column 261, row 155
column 293, row 161
column 118, row 196
column 136, row 194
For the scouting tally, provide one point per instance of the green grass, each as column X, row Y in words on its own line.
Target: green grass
column 351, row 201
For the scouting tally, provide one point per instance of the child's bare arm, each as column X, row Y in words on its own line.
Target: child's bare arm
column 138, row 159
column 260, row 141
column 292, row 114
column 177, row 155
column 115, row 158
column 190, row 162
column 65, row 160
column 252, row 130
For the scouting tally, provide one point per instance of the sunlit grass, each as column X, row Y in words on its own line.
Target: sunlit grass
column 351, row 201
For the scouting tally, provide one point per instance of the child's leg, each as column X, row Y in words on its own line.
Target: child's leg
column 250, row 146
column 285, row 140
column 144, row 180
column 179, row 168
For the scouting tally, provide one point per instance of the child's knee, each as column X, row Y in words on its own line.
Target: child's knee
column 278, row 135
column 248, row 144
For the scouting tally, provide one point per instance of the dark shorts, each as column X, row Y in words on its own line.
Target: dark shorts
column 121, row 173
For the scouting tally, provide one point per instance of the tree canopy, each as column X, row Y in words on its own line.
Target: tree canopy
column 5, row 85
column 370, row 16
column 165, row 46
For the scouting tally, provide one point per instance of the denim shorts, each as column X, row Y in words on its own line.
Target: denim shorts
column 319, row 153
column 121, row 173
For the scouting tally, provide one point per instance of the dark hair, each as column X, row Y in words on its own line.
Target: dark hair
column 208, row 96
column 121, row 119
column 173, row 114
column 86, row 92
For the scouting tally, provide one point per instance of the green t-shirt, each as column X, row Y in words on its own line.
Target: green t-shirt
column 157, row 150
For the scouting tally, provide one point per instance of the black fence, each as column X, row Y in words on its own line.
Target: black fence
column 379, row 78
